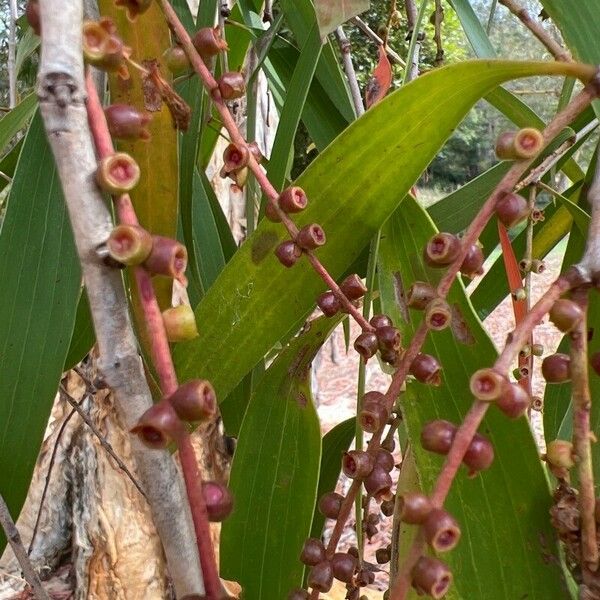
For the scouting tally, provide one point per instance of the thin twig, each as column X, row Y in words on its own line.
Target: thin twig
column 437, row 36
column 538, row 30
column 491, row 16
column 346, row 50
column 14, row 539
column 591, row 257
column 392, row 55
column 12, row 53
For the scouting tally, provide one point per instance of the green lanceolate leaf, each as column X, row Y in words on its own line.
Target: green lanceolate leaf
column 41, row 282
column 490, row 507
column 83, row 337
column 353, row 187
column 274, row 475
column 16, row 119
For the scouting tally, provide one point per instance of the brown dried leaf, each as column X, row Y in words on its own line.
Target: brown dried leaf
column 380, row 81
column 332, row 13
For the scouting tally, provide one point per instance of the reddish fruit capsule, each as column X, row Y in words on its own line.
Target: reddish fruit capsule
column 385, row 459
column 271, row 212
column 330, row 504
column 387, row 507
column 560, row 453
column 298, row 595
column 343, row 565
column 419, row 295
column 127, row 123
column 366, row 344
column 383, row 555
column 129, row 244
column 288, row 253
column 374, row 413
column 293, row 200
column 431, row 577
column 194, row 401
column 103, row 48
column 321, row 577
column 328, row 303
column 426, row 369
column 479, row 455
column 32, row 12
column 441, row 250
column 514, row 400
column 511, row 209
column 556, row 368
column 437, row 436
column 438, row 314
column 357, row 464
column 514, row 145
column 472, row 264
column 232, row 85
column 388, row 338
column 365, row 577
column 566, row 315
column 255, row 151
column 117, row 174
column 208, row 42
column 353, row 287
column 487, row 385
column 133, row 8
column 158, row 426
column 379, row 321
column 235, row 158
column 378, row 482
column 389, row 356
column 180, row 323
column 168, row 257
column 313, row 552
column 218, row 500
column 441, row 530
column 311, row 237
column 414, row 508
column 176, row 60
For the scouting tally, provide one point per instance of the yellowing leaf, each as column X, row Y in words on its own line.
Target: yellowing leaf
column 332, row 13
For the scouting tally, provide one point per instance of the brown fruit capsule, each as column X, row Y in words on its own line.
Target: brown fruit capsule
column 313, row 552
column 288, row 253
column 389, row 356
column 432, row 577
column 528, row 142
column 218, row 500
column 538, row 266
column 487, row 385
column 235, row 158
column 365, row 577
column 271, row 211
column 32, row 13
column 158, row 426
column 330, row 504
column 311, row 237
column 383, row 555
column 414, row 508
column 328, row 303
column 103, row 48
column 129, row 244
column 180, row 323
column 387, row 507
column 293, row 200
column 514, row 400
column 117, row 174
column 133, row 8
column 176, row 60
column 378, row 482
column 380, row 321
column 366, row 344
column 511, row 209
column 343, row 565
column 479, row 455
column 374, row 413
column 127, row 123
column 505, row 145
column 385, row 459
column 321, row 577
column 194, row 401
column 255, row 151
column 357, row 464
column 353, row 287
column 208, row 42
column 419, row 295
column 232, row 85
column 556, row 368
column 426, row 369
column 388, row 338
column 298, row 595
column 441, row 250
column 566, row 315
column 441, row 530
column 437, row 436
column 560, row 453
column 472, row 265
column 168, row 257
column 438, row 314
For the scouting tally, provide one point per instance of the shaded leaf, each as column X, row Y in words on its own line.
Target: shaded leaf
column 13, row 121
column 83, row 337
column 380, row 81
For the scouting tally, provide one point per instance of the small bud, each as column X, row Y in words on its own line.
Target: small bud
column 218, row 500
column 168, row 257
column 438, row 315
column 32, row 13
column 194, row 401
column 378, row 482
column 288, row 253
column 385, row 459
column 330, row 504
column 293, row 200
column 566, row 315
column 414, row 508
column 321, row 577
column 441, row 250
column 313, row 552
column 353, row 287
column 311, row 237
column 560, row 453
column 556, row 368
column 437, row 436
column 537, row 215
column 117, row 174
column 343, row 565
column 133, row 8
column 298, row 594
column 538, row 266
column 235, row 158
column 366, row 344
column 487, row 384
column 479, row 455
column 127, row 123
column 129, row 244
column 441, row 530
column 180, row 323
column 537, row 349
column 387, row 507
column 525, row 351
column 511, row 209
column 525, row 265
column 208, row 42
column 380, row 321
column 432, row 577
column 232, row 85
column 472, row 264
column 514, row 400
column 426, row 369
column 158, row 426
column 176, row 60
column 419, row 295
column 537, row 403
column 519, row 295
column 388, row 338
column 374, row 413
column 357, row 464
column 328, row 303
column 383, row 555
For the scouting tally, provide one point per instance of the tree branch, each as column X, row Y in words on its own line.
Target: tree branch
column 346, row 51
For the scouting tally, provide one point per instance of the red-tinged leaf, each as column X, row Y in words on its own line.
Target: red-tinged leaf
column 513, row 274
column 332, row 13
column 381, row 80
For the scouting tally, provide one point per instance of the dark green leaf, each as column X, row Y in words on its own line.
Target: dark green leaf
column 13, row 121
column 83, row 337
